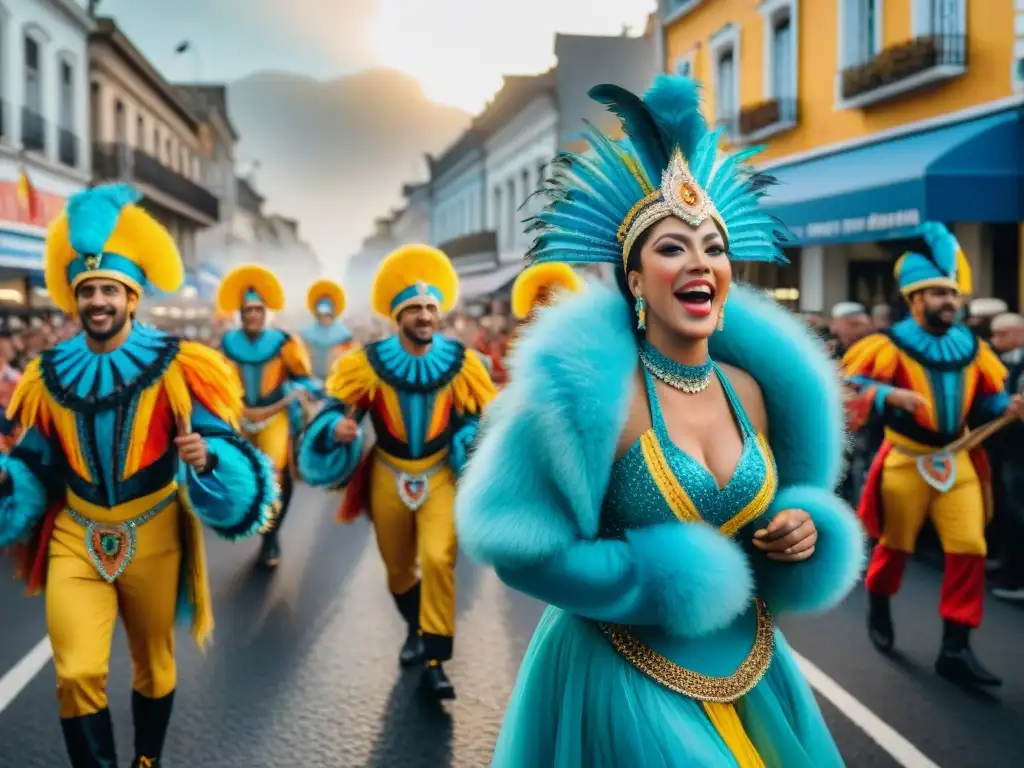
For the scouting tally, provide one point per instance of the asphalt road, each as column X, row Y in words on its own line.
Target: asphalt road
column 303, row 669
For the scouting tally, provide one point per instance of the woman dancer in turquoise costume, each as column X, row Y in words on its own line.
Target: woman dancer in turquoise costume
column 660, row 469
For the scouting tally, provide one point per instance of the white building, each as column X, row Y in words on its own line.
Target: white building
column 148, row 134
column 44, row 133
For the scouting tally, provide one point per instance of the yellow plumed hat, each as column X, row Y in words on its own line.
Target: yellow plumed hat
column 414, row 273
column 103, row 233
column 326, row 297
column 250, row 284
column 553, row 275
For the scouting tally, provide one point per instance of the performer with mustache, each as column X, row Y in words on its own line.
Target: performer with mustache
column 276, row 378
column 130, row 442
column 328, row 338
column 927, row 375
column 424, row 395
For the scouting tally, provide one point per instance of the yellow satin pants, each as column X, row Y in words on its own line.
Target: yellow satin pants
column 82, row 608
column 274, row 440
column 908, row 500
column 425, row 538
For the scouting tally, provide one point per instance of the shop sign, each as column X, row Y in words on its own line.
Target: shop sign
column 22, row 203
column 858, row 226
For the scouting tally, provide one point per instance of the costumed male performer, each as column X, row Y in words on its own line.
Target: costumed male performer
column 130, row 442
column 276, row 375
column 927, row 375
column 328, row 338
column 424, row 394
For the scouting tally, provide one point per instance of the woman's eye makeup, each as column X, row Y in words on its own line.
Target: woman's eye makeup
column 715, row 250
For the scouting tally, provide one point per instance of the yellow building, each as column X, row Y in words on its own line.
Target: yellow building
column 875, row 115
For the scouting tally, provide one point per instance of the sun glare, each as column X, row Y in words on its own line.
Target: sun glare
column 459, row 49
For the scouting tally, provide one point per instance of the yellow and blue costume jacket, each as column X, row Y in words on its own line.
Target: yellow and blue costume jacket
column 99, row 436
column 325, row 344
column 422, row 409
column 270, row 367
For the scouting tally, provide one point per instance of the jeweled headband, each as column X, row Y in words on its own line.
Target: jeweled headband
column 599, row 202
column 679, row 195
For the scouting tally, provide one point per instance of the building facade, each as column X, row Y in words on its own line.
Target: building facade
column 876, row 115
column 44, row 134
column 146, row 133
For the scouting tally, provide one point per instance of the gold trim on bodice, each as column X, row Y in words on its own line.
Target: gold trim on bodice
column 695, row 685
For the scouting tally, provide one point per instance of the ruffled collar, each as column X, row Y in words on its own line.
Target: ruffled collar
column 416, row 373
column 83, row 380
column 952, row 350
column 326, row 336
column 237, row 345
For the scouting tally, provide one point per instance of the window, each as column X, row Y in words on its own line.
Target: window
column 941, row 18
column 140, row 132
column 510, row 215
column 156, row 142
column 860, row 31
column 67, row 96
column 168, row 154
column 725, row 53
column 527, row 191
column 496, row 210
column 675, row 9
column 1018, row 49
column 120, row 125
column 33, row 76
column 782, row 57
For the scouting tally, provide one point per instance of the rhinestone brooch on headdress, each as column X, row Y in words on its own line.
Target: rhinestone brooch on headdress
column 680, row 195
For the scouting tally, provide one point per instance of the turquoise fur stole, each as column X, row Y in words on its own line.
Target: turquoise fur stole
column 534, row 488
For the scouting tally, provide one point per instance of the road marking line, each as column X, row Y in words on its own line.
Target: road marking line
column 901, row 750
column 21, row 674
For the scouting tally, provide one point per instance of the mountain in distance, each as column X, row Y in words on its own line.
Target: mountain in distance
column 334, row 154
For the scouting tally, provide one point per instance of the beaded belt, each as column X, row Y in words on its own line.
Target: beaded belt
column 111, row 546
column 412, row 488
column 695, row 685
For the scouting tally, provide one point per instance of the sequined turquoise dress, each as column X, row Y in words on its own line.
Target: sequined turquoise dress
column 572, row 673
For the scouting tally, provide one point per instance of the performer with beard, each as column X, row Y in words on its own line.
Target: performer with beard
column 277, row 377
column 424, row 395
column 928, row 375
column 130, row 442
column 660, row 468
column 328, row 338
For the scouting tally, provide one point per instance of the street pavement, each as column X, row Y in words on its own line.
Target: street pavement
column 303, row 670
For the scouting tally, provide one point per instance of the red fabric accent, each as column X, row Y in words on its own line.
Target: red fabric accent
column 963, row 589
column 885, row 571
column 859, row 409
column 982, row 466
column 161, row 427
column 33, row 556
column 870, row 508
column 356, row 500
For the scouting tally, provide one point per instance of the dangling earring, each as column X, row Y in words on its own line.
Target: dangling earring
column 640, row 307
column 721, row 317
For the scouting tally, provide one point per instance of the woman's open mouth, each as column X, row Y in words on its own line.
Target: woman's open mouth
column 696, row 297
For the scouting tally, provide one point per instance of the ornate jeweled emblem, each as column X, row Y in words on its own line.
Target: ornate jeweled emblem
column 111, row 548
column 93, row 261
column 688, row 194
column 421, row 288
column 938, row 470
column 412, row 490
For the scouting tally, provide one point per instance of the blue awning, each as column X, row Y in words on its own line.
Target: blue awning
column 21, row 250
column 971, row 171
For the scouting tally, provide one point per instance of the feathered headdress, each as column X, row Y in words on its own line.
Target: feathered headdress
column 104, row 233
column 538, row 277
column 325, row 297
column 601, row 201
column 250, row 284
column 945, row 265
column 414, row 273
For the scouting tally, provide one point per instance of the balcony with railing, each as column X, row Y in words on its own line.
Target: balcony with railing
column 758, row 122
column 903, row 68
column 67, row 147
column 117, row 161
column 33, row 131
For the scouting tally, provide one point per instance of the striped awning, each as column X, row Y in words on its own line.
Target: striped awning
column 21, row 250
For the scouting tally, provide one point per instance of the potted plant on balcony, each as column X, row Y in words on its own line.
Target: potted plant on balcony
column 759, row 116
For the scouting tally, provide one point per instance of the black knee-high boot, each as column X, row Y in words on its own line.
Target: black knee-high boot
column 90, row 740
column 408, row 603
column 270, row 551
column 151, row 718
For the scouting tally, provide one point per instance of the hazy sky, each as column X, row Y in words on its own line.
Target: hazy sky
column 457, row 49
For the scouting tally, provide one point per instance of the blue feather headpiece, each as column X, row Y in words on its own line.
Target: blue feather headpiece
column 943, row 265
column 601, row 201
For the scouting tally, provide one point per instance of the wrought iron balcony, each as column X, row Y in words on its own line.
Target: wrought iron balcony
column 117, row 161
column 33, row 130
